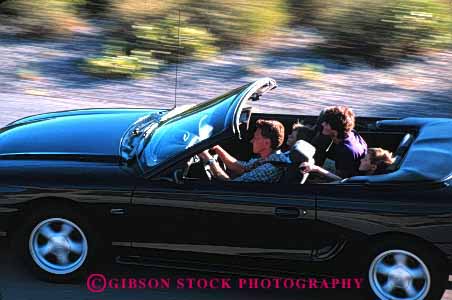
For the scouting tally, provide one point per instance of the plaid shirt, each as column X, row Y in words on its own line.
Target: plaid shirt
column 257, row 170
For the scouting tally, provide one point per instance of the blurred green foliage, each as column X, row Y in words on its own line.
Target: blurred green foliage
column 163, row 39
column 381, row 32
column 42, row 18
column 240, row 22
column 141, row 36
column 206, row 28
column 113, row 66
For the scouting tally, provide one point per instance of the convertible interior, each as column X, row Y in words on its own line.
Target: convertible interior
column 395, row 140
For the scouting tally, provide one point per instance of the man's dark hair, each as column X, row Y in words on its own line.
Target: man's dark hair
column 272, row 130
column 341, row 119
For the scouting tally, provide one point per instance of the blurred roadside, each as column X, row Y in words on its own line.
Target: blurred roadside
column 382, row 59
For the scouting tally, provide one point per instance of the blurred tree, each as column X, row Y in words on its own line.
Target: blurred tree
column 42, row 18
column 143, row 35
column 148, row 30
column 97, row 8
column 380, row 32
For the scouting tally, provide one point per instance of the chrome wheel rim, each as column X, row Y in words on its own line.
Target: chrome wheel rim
column 399, row 275
column 58, row 246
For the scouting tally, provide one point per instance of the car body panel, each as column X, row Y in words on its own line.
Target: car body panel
column 356, row 212
column 65, row 133
column 226, row 219
column 71, row 156
column 93, row 187
column 88, row 159
column 81, row 112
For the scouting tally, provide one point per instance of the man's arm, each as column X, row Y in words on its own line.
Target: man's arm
column 266, row 173
column 230, row 161
column 217, row 171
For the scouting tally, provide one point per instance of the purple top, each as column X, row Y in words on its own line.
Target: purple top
column 347, row 154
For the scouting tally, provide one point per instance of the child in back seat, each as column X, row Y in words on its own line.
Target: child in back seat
column 374, row 162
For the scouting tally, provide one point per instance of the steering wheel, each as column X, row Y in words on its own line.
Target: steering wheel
column 195, row 159
column 209, row 172
column 192, row 160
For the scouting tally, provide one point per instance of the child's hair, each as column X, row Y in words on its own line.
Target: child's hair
column 381, row 158
column 304, row 132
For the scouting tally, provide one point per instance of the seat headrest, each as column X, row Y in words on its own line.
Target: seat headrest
column 302, row 151
column 404, row 144
column 400, row 152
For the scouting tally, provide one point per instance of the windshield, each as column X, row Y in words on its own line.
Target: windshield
column 180, row 131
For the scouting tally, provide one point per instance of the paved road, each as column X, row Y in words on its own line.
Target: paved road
column 16, row 283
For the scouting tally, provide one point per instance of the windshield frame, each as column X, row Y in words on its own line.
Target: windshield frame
column 177, row 114
column 236, row 99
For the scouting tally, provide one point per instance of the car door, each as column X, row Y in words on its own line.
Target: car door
column 256, row 221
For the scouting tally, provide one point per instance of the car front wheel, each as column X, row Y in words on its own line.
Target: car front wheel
column 57, row 246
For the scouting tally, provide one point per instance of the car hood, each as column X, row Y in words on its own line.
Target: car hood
column 77, row 132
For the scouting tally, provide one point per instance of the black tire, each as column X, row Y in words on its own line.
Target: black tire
column 413, row 269
column 57, row 245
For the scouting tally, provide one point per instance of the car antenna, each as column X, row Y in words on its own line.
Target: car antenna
column 177, row 61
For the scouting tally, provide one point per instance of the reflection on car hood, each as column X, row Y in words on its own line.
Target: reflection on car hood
column 77, row 132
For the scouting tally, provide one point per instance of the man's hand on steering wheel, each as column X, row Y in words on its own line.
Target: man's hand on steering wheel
column 211, row 162
column 205, row 156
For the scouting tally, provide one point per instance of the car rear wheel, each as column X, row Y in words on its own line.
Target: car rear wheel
column 57, row 246
column 405, row 271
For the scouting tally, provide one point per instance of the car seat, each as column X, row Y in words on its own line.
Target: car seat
column 300, row 152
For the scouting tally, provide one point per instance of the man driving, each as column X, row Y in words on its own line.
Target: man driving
column 267, row 139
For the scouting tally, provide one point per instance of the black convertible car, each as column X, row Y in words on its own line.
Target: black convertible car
column 77, row 183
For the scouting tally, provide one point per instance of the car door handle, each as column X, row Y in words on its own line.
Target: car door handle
column 289, row 212
column 117, row 211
